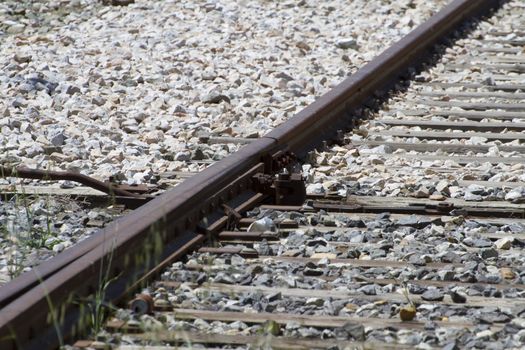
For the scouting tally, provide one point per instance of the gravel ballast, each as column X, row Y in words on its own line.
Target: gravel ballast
column 128, row 89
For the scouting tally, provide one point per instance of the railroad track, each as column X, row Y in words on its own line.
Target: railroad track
column 361, row 252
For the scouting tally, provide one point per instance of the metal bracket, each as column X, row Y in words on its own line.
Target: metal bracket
column 285, row 188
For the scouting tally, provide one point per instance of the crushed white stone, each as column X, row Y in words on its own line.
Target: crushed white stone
column 128, row 89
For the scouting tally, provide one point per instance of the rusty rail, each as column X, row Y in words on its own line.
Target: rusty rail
column 168, row 225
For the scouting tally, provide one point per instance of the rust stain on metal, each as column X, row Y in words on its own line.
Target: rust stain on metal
column 165, row 223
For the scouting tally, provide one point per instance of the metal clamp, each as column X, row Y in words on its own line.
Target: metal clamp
column 285, row 188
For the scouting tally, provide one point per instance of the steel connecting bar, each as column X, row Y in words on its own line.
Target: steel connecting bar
column 130, row 246
column 27, row 173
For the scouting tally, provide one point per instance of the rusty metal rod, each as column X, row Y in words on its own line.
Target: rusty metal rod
column 27, row 173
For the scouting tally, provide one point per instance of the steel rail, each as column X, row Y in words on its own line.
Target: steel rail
column 132, row 245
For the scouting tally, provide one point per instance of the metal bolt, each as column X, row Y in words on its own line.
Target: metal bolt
column 284, row 175
column 142, row 304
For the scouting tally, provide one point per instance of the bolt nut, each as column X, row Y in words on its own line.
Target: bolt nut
column 142, row 304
